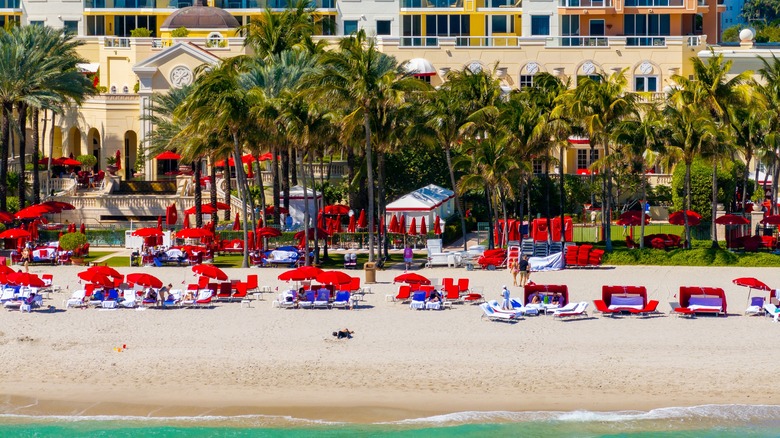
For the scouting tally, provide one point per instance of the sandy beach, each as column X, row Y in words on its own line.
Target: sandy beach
column 400, row 364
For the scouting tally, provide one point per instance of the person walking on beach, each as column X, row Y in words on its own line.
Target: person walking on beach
column 514, row 268
column 525, row 271
column 408, row 257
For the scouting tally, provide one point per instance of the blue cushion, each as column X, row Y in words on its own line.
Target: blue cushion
column 706, row 301
column 626, row 301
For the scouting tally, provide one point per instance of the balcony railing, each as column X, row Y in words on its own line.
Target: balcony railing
column 655, row 3
column 500, row 4
column 488, row 41
column 694, row 40
column 432, row 3
column 115, row 42
column 419, row 41
column 577, row 41
column 9, row 4
column 585, row 3
column 225, row 4
column 646, row 41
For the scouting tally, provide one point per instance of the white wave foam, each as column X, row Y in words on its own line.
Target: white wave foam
column 733, row 413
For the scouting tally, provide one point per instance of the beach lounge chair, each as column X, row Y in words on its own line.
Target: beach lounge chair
column 323, row 299
column 579, row 311
column 252, row 285
column 451, row 295
column 308, row 303
column 497, row 308
column 342, row 299
column 772, row 310
column 203, row 299
column 9, row 294
column 489, row 313
column 404, row 293
column 756, row 306
column 111, row 299
column 527, row 310
column 77, row 299
column 463, row 286
column 173, row 299
column 651, row 307
column 602, row 308
column 128, row 299
column 418, row 301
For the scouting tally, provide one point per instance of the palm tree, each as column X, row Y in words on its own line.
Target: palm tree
column 770, row 89
column 219, row 103
column 355, row 73
column 601, row 104
column 272, row 32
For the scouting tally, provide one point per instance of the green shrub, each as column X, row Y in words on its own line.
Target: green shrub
column 701, row 185
column 87, row 160
column 71, row 241
column 140, row 32
column 180, row 32
column 698, row 256
column 12, row 203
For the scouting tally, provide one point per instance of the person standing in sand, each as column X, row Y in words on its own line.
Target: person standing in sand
column 514, row 268
column 525, row 271
column 506, row 304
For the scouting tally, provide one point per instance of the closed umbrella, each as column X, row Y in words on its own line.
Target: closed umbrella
column 402, row 224
column 423, row 228
column 186, row 223
column 413, row 227
column 437, row 226
column 250, row 240
column 159, row 223
column 394, row 224
column 259, row 239
column 171, row 216
column 236, row 223
column 362, row 222
column 352, row 224
column 83, row 228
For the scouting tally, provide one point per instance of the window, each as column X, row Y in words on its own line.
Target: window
column 350, row 27
column 96, row 25
column 646, row 25
column 36, row 23
column 586, row 157
column 447, row 25
column 124, row 24
column 526, row 81
column 501, row 23
column 215, row 40
column 71, row 26
column 596, row 28
column 540, row 24
column 536, row 166
column 646, row 83
column 383, row 27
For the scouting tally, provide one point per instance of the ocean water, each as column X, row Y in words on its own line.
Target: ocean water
column 699, row 421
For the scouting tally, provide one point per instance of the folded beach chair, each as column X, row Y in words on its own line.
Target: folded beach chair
column 308, row 303
column 602, row 308
column 756, row 306
column 418, row 301
column 322, row 300
column 578, row 312
column 342, row 299
column 489, row 313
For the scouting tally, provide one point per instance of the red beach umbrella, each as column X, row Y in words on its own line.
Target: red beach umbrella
column 382, row 224
column 678, row 217
column 236, row 223
column 69, row 162
column 423, row 228
column 402, row 224
column 159, row 223
column 34, row 212
column 105, row 270
column 194, row 233
column 171, row 216
column 250, row 240
column 437, row 225
column 144, row 279
column 6, row 270
column 268, row 232
column 633, row 218
column 730, row 219
column 413, row 227
column 96, row 278
column 6, row 217
column 302, row 273
column 168, row 155
column 15, row 233
column 209, row 271
column 771, row 220
column 147, row 232
column 334, row 277
column 270, row 210
column 362, row 222
column 260, row 223
column 58, row 205
column 83, row 228
column 752, row 283
column 25, row 279
column 336, row 209
column 186, row 223
column 259, row 240
column 411, row 278
column 393, row 224
column 352, row 224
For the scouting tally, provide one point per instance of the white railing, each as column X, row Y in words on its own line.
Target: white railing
column 694, row 40
column 585, row 3
column 116, row 43
column 578, row 41
column 488, row 41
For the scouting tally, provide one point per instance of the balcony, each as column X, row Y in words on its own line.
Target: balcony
column 422, row 4
column 9, row 4
column 174, row 4
column 499, row 4
column 577, row 41
column 116, row 43
column 646, row 41
column 131, row 4
column 488, row 41
column 654, row 3
column 419, row 41
column 585, row 3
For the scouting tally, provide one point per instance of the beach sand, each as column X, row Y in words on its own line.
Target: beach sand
column 400, row 364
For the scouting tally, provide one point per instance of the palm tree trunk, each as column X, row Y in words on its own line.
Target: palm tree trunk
column 370, row 175
column 51, row 151
column 775, row 176
column 458, row 206
column 317, row 209
column 22, row 123
column 643, row 204
column 520, row 206
column 354, row 195
column 5, row 147
column 286, row 176
column 380, row 187
column 746, row 176
column 198, row 194
column 547, row 184
column 688, row 204
column 489, row 203
column 213, row 188
column 306, row 259
column 36, row 188
column 261, row 187
column 242, row 192
column 294, row 169
column 561, row 150
column 714, row 205
column 229, row 185
column 608, row 203
column 275, row 182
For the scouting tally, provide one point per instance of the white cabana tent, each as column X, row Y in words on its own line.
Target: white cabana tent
column 298, row 203
column 427, row 202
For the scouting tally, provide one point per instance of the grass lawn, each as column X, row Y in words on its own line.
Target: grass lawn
column 93, row 255
column 700, row 255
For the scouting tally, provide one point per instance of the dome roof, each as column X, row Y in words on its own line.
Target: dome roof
column 200, row 17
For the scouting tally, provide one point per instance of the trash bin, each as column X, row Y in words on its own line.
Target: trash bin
column 370, row 269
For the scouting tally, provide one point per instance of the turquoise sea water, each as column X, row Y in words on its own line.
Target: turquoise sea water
column 700, row 421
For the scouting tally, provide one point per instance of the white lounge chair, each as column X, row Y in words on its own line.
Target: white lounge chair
column 527, row 311
column 497, row 308
column 772, row 310
column 77, row 299
column 128, row 299
column 489, row 313
column 9, row 294
column 579, row 311
column 756, row 306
